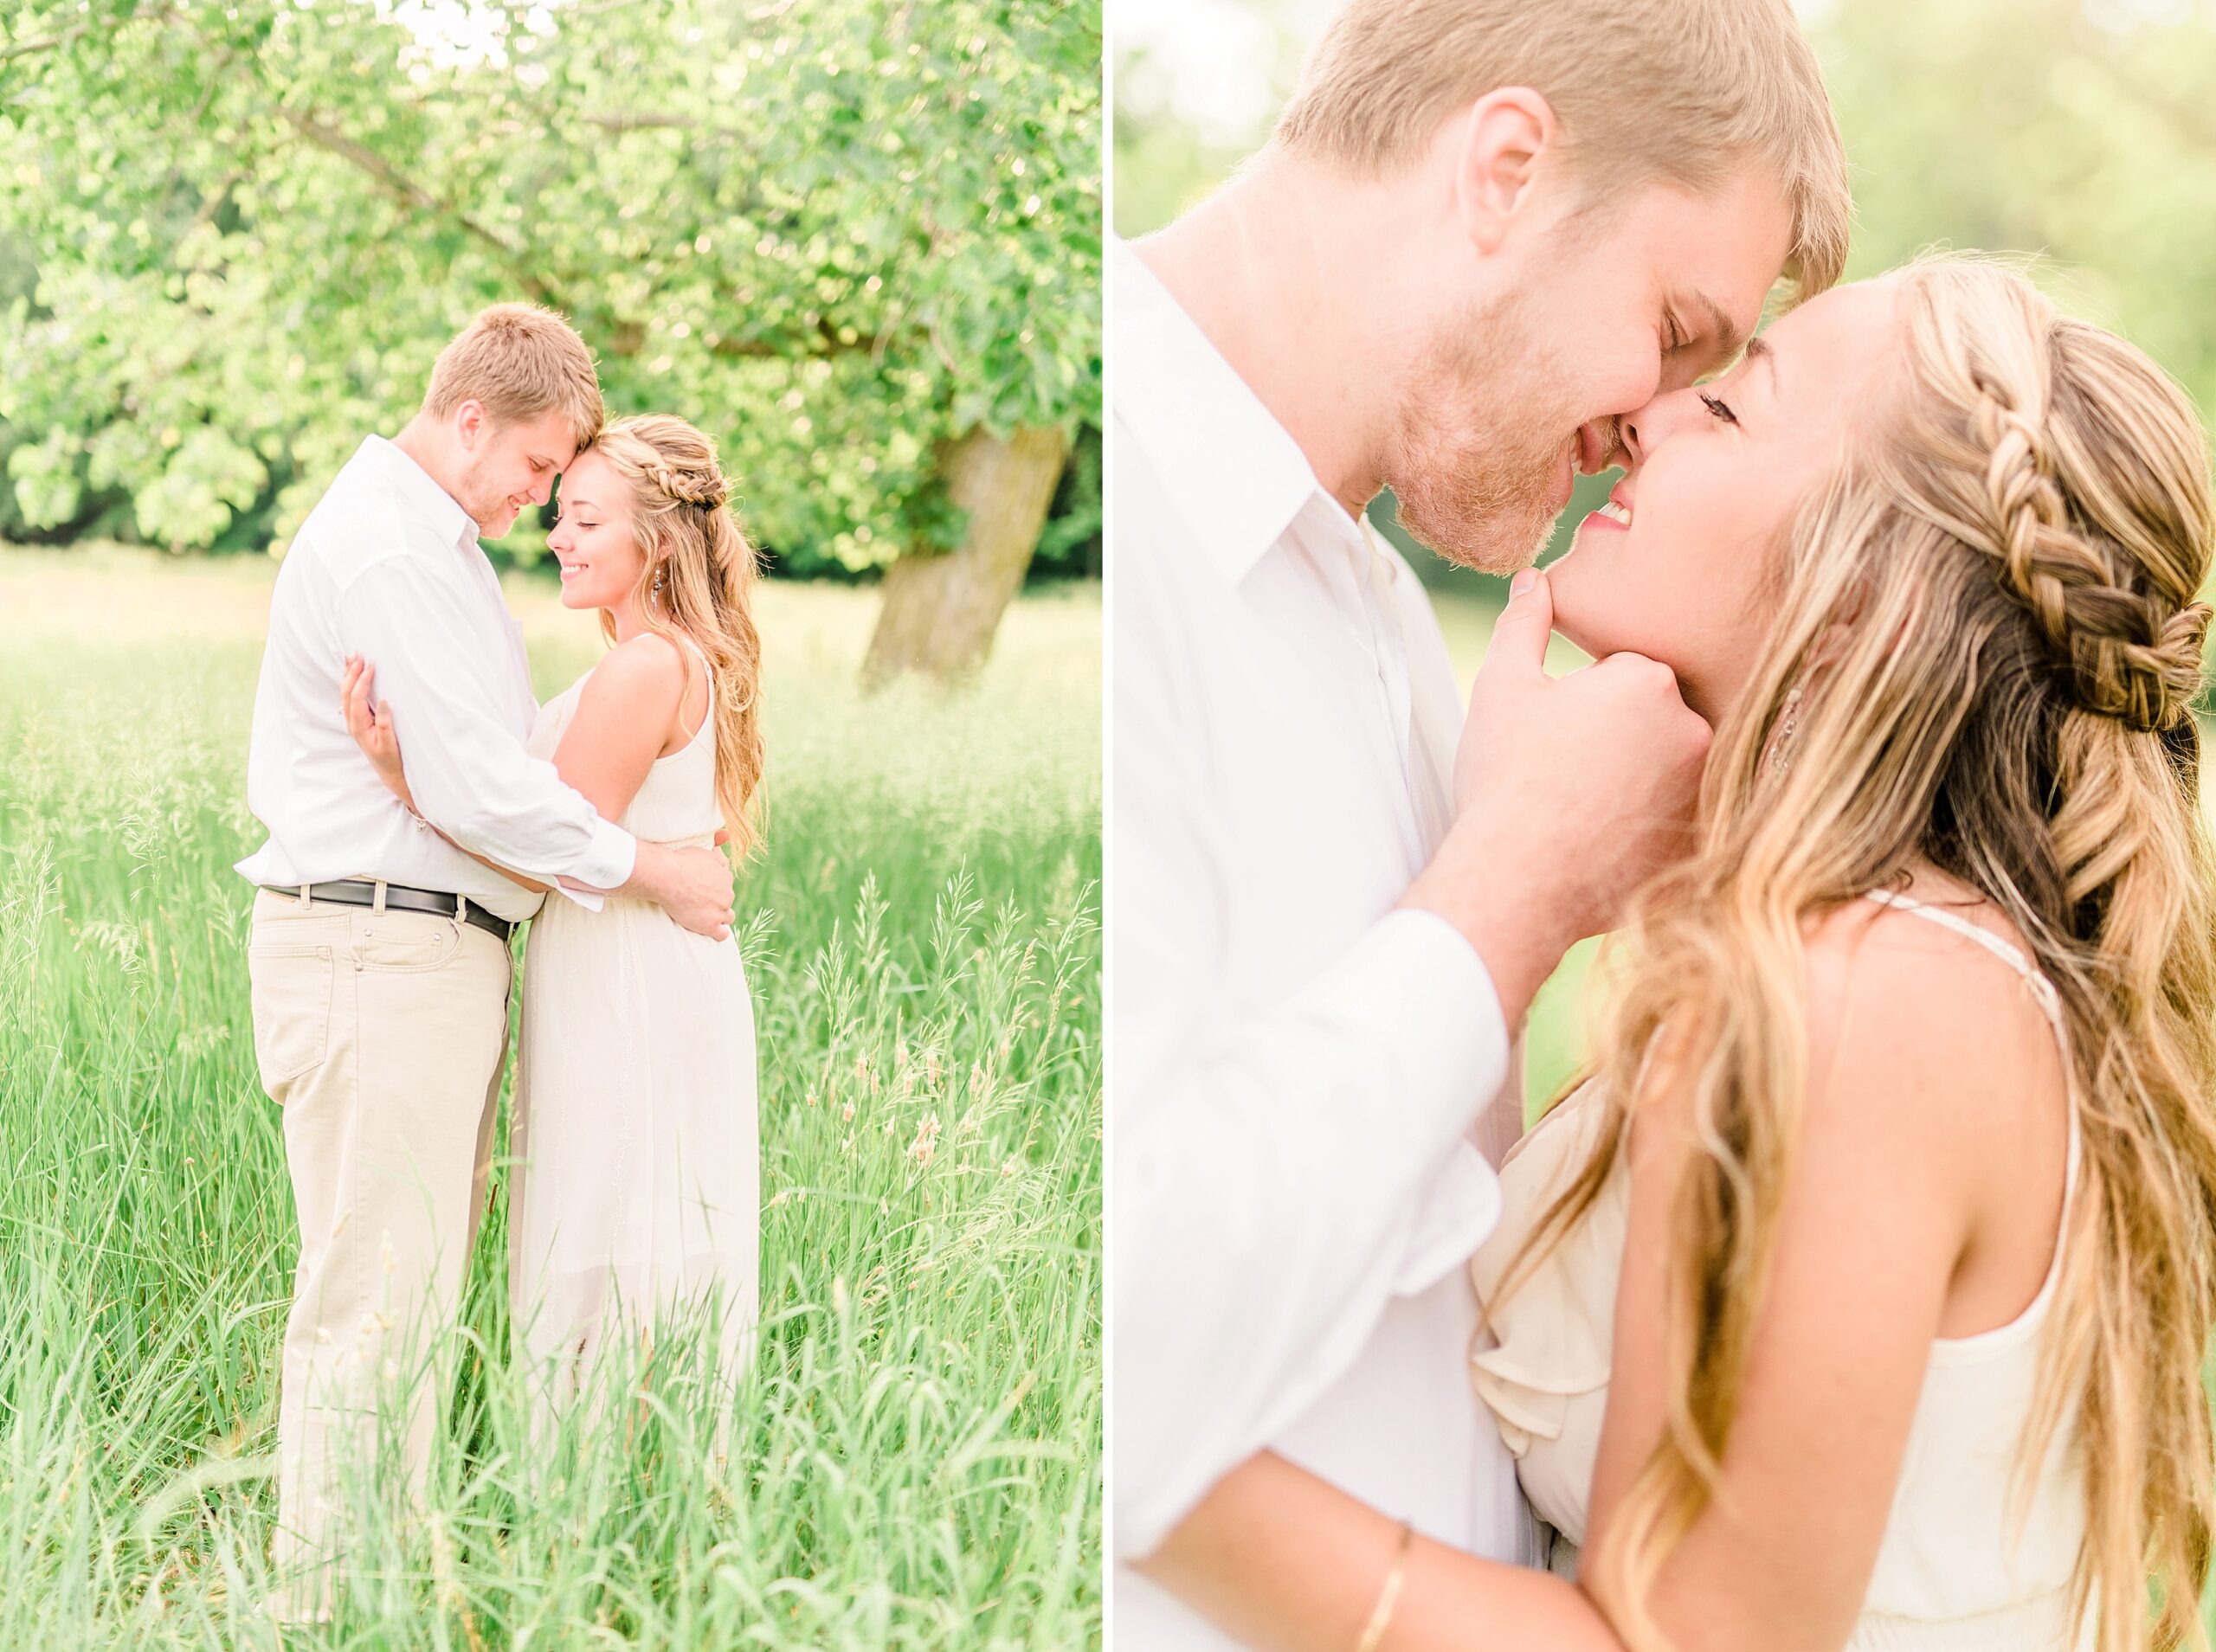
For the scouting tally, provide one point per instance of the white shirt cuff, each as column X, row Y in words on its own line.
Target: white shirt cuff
column 612, row 857
column 1436, row 995
column 609, row 861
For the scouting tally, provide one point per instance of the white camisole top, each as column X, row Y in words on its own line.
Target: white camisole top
column 1952, row 1575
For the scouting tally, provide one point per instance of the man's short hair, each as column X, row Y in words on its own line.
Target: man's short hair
column 520, row 361
column 1675, row 91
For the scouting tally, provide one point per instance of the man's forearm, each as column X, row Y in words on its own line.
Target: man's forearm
column 399, row 788
column 556, row 838
column 649, row 878
column 1499, row 908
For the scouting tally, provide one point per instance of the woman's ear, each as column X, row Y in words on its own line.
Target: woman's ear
column 1835, row 638
column 1503, row 134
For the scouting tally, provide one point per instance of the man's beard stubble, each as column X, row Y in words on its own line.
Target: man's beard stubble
column 487, row 506
column 1479, row 442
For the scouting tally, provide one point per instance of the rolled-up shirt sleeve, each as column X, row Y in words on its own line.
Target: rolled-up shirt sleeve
column 1270, row 1167
column 470, row 773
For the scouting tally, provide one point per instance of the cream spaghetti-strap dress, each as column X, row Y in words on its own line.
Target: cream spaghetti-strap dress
column 1953, row 1573
column 636, row 1186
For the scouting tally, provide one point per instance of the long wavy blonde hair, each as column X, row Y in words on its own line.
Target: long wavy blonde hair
column 2013, row 544
column 697, row 581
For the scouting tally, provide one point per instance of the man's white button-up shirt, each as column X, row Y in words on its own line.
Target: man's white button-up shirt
column 388, row 566
column 1302, row 1077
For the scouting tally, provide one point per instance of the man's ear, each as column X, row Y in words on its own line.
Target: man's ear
column 472, row 423
column 1503, row 134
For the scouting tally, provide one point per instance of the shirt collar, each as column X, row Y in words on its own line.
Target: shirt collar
column 439, row 509
column 1231, row 470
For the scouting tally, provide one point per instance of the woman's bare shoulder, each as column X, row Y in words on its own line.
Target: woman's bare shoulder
column 1904, row 1011
column 639, row 673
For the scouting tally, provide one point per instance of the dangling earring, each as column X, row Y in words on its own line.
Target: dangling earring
column 1788, row 731
column 657, row 591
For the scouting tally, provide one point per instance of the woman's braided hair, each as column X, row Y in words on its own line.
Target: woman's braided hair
column 690, row 479
column 2131, row 651
column 697, row 579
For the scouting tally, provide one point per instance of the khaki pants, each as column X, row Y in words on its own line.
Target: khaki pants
column 383, row 1036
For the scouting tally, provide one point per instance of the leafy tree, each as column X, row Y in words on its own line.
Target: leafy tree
column 2079, row 130
column 857, row 241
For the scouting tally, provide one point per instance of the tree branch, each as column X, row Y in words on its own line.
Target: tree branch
column 212, row 202
column 822, row 340
column 628, row 121
column 410, row 193
column 146, row 12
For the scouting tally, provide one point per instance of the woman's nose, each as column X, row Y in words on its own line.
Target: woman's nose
column 1654, row 424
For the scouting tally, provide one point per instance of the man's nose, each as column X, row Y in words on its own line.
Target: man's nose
column 1627, row 437
column 1597, row 443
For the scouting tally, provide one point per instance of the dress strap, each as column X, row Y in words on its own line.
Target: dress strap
column 2042, row 990
column 701, row 654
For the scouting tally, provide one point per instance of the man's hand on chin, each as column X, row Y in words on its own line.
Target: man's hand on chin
column 1569, row 793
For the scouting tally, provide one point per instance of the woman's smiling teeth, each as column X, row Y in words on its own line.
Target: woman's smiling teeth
column 1614, row 511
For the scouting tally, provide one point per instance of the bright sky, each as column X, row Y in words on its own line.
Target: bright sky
column 1212, row 60
column 457, row 34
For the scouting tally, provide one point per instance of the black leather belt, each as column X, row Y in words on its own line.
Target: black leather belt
column 399, row 897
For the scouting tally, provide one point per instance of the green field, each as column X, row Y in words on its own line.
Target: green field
column 917, row 1445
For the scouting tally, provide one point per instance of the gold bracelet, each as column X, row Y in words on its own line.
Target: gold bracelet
column 1373, row 1634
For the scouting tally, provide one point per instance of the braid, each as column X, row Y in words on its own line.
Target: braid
column 2129, row 656
column 696, row 580
column 686, row 484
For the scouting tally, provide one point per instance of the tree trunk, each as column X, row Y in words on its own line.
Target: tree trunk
column 941, row 608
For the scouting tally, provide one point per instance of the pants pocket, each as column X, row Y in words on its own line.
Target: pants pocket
column 291, row 988
column 418, row 942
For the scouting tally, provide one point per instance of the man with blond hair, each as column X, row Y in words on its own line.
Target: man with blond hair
column 380, row 950
column 1483, row 232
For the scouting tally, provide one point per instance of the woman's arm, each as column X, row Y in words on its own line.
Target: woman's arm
column 1875, row 1219
column 624, row 719
column 1282, row 1559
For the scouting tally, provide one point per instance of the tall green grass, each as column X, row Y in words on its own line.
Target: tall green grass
column 915, row 1450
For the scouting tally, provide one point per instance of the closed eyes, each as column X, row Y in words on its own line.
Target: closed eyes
column 1718, row 407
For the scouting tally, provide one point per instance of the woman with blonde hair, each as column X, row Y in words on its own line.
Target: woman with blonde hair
column 635, row 1191
column 1860, row 1296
